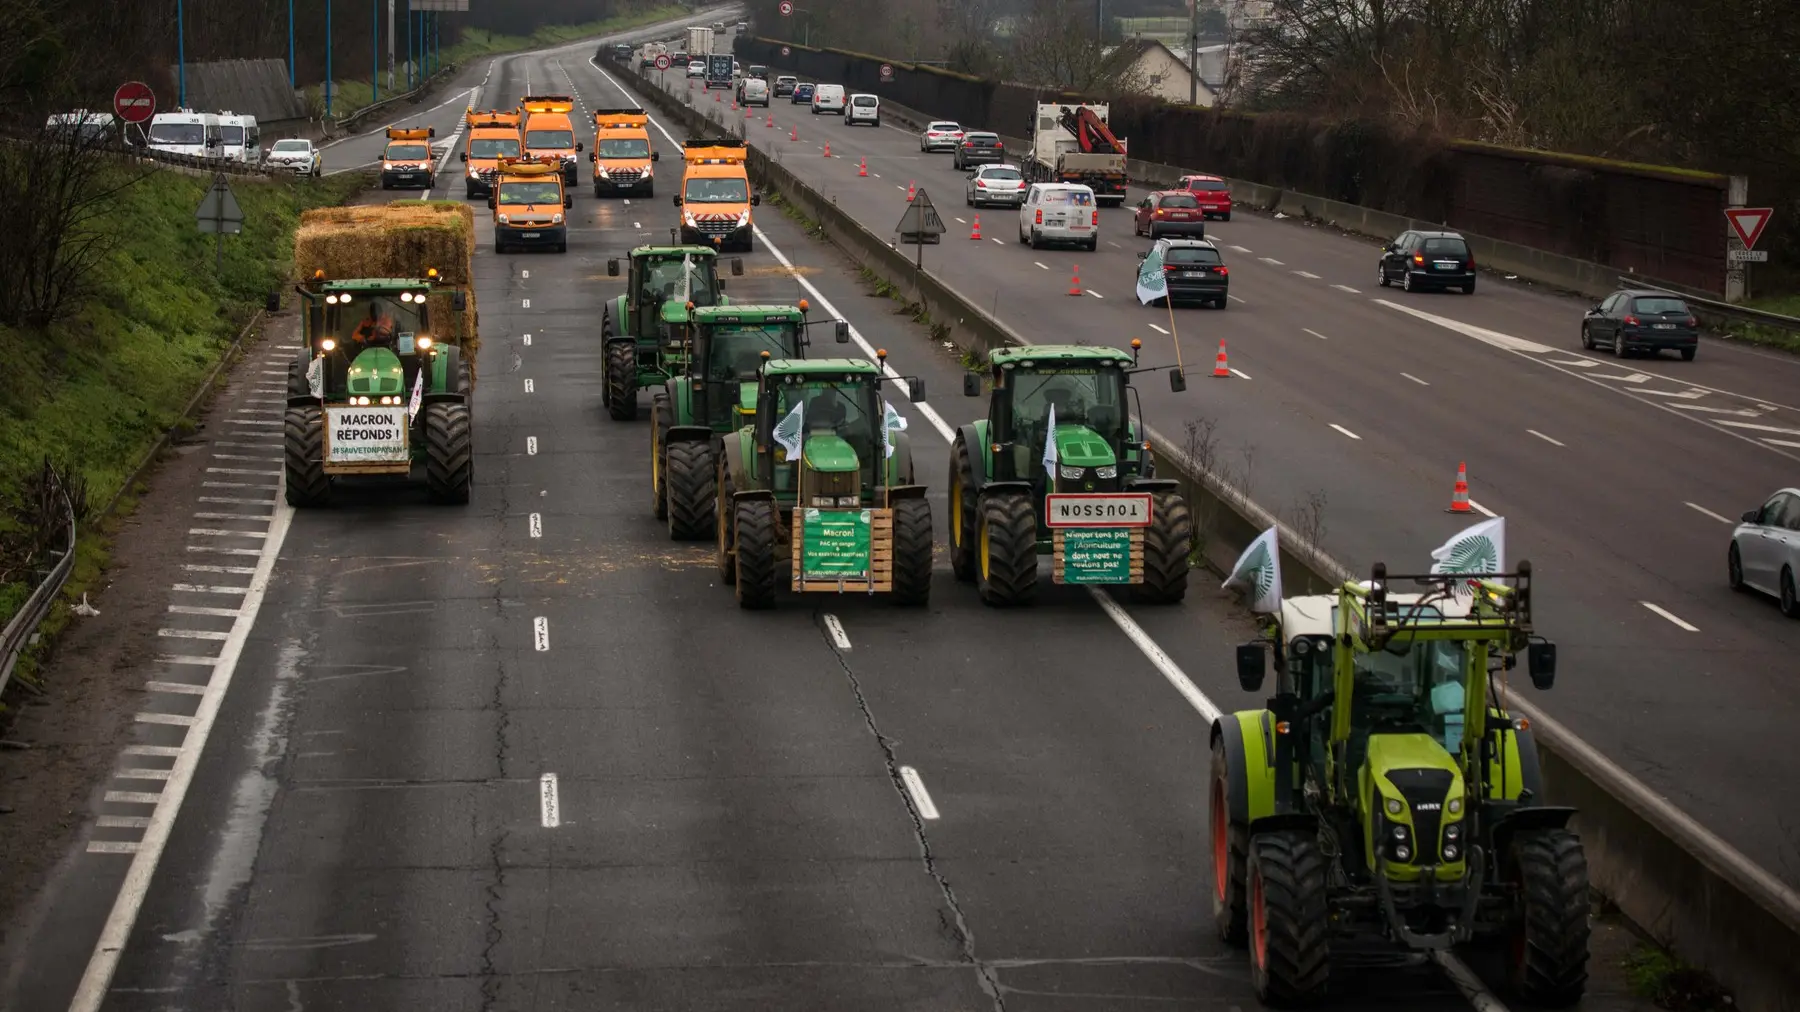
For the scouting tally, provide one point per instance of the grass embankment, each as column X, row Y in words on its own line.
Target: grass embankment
column 95, row 391
column 350, row 96
column 1770, row 337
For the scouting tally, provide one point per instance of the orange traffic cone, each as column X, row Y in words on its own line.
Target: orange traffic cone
column 771, row 121
column 1459, row 498
column 827, row 149
column 1075, row 281
column 715, row 98
column 862, row 167
column 910, row 192
column 794, row 134
column 734, row 105
column 1220, row 369
column 975, row 233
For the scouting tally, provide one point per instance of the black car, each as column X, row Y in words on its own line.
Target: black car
column 784, row 85
column 1635, row 320
column 620, row 53
column 679, row 60
column 1194, row 271
column 757, row 71
column 1425, row 260
column 803, row 93
column 979, row 147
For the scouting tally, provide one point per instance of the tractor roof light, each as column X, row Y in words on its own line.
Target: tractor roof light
column 431, row 273
column 424, row 343
column 804, row 305
column 328, row 344
column 331, row 300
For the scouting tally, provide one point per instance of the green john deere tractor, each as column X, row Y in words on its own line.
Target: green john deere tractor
column 1385, row 805
column 1086, row 495
column 377, row 389
column 645, row 329
column 821, row 484
column 716, row 395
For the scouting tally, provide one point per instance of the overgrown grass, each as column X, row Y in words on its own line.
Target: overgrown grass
column 1770, row 337
column 1670, row 984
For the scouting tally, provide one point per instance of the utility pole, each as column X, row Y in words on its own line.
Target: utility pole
column 375, row 51
column 328, row 59
column 181, row 55
column 291, row 83
column 1193, row 52
column 411, row 52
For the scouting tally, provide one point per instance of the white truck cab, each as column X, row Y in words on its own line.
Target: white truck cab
column 186, row 132
column 240, row 139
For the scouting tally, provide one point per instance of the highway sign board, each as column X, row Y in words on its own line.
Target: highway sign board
column 662, row 62
column 1747, row 256
column 134, row 102
column 1097, row 509
column 1749, row 222
column 921, row 218
column 786, row 9
column 887, row 72
column 219, row 210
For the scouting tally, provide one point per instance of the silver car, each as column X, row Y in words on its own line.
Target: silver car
column 940, row 135
column 995, row 184
column 1765, row 550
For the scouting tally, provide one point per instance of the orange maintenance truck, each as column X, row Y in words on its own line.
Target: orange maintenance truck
column 548, row 131
column 407, row 159
column 622, row 153
column 493, row 135
column 528, row 202
column 715, row 195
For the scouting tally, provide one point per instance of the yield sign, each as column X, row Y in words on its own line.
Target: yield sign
column 1748, row 222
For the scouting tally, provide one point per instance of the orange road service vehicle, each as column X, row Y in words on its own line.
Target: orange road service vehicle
column 715, row 195
column 549, row 133
column 622, row 153
column 493, row 135
column 528, row 202
column 407, row 159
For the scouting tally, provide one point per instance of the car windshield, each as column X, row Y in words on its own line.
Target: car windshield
column 662, row 280
column 865, row 100
column 234, row 135
column 541, row 139
column 177, row 133
column 1178, row 200
column 292, row 147
column 408, row 152
column 1415, row 685
column 380, row 319
column 1002, row 174
column 1081, row 197
column 494, row 147
column 1660, row 305
column 737, row 348
column 982, row 138
column 944, row 128
column 624, row 147
column 1192, row 255
column 533, row 192
column 1198, row 185
column 1447, row 247
column 717, row 191
column 1089, row 396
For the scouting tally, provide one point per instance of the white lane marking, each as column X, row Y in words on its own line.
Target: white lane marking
column 180, row 688
column 264, row 518
column 193, row 634
column 1495, row 338
column 236, row 484
column 206, row 588
column 527, row 276
column 1545, row 438
column 223, row 551
column 549, row 803
column 111, row 847
column 1705, row 512
column 1095, row 294
column 1345, row 431
column 1760, row 428
column 527, row 340
column 202, row 662
column 1271, row 260
column 147, row 774
column 1315, row 333
column 835, row 629
column 1240, row 249
column 1159, row 330
column 1240, row 374
column 528, row 386
column 132, row 797
column 1782, row 442
column 959, row 221
column 213, row 532
column 164, row 751
column 228, row 570
column 1040, row 266
column 1235, row 299
column 170, row 719
column 531, row 445
column 1476, row 993
column 1307, row 274
column 1114, row 245
column 449, row 149
column 537, row 525
column 1483, row 510
column 1347, row 288
column 527, row 304
column 1000, row 241
column 191, row 609
column 123, row 822
column 1415, row 379
column 921, row 798
column 1665, row 613
column 1735, row 412
column 540, row 632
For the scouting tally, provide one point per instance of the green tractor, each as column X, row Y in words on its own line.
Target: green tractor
column 821, row 484
column 1385, row 806
column 1086, row 495
column 716, row 395
column 645, row 329
column 377, row 389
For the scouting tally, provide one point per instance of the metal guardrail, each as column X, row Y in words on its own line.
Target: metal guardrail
column 23, row 626
column 1723, row 310
column 224, row 165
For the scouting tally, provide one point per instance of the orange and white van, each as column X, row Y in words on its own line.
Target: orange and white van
column 715, row 195
column 622, row 153
column 407, row 159
column 493, row 135
column 549, row 133
column 529, row 202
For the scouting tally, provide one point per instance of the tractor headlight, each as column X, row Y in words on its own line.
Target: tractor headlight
column 1450, row 852
column 331, row 300
column 328, row 345
column 1453, row 831
column 1394, row 807
column 422, row 343
column 1454, row 806
column 1109, row 471
column 405, row 296
column 849, row 500
column 1071, row 473
column 1402, row 852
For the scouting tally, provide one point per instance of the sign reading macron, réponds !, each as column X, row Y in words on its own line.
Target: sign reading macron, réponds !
column 356, row 435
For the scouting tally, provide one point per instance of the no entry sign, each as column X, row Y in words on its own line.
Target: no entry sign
column 134, row 102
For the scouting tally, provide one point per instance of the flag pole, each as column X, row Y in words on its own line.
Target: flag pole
column 1169, row 304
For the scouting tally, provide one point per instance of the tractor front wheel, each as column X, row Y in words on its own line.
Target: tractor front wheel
column 912, row 552
column 297, row 386
column 1167, row 542
column 621, row 380
column 1549, row 951
column 756, row 551
column 963, row 514
column 660, row 420
column 723, row 516
column 303, row 436
column 688, row 475
column 1290, row 950
column 1230, row 854
column 1006, row 549
column 449, row 452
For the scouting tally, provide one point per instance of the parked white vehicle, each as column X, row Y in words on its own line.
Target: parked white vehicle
column 863, row 108
column 186, row 132
column 1059, row 214
column 755, row 91
column 696, row 68
column 240, row 138
column 828, row 98
column 296, row 155
column 93, row 127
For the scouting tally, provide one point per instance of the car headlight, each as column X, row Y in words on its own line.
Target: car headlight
column 1109, row 471
column 474, row 173
column 648, row 171
column 1071, row 473
column 743, row 219
column 600, row 170
column 688, row 217
column 556, row 219
column 503, row 219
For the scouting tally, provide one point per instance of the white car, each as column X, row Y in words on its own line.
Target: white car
column 863, row 109
column 942, row 135
column 1765, row 551
column 696, row 68
column 295, row 155
column 1059, row 214
column 828, row 98
column 995, row 184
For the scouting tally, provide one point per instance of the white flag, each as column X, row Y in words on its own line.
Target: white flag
column 790, row 432
column 412, row 409
column 1478, row 549
column 1258, row 573
column 891, row 421
column 687, row 278
column 315, row 377
column 1050, row 445
column 1151, row 282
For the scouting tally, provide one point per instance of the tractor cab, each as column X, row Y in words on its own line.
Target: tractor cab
column 370, row 338
column 646, row 328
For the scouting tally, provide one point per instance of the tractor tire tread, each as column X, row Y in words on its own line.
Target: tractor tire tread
column 1231, row 911
column 1011, row 521
column 1167, row 544
column 303, row 446
column 621, row 380
column 962, row 542
column 912, row 552
column 723, row 515
column 688, row 476
column 1553, row 885
column 660, row 420
column 1296, row 919
column 449, row 452
column 756, row 552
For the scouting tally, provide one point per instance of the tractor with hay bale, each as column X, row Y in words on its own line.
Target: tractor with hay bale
column 386, row 368
column 645, row 329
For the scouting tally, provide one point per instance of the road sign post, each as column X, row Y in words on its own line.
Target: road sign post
column 786, row 9
column 219, row 213
column 1747, row 224
column 920, row 224
column 134, row 103
column 887, row 72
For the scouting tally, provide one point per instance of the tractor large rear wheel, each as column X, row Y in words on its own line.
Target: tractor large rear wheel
column 1549, row 951
column 660, row 420
column 688, row 475
column 449, row 452
column 963, row 514
column 1230, row 854
column 621, row 380
column 723, row 516
column 1006, row 549
column 912, row 552
column 756, row 551
column 303, row 445
column 1166, row 544
column 1290, row 950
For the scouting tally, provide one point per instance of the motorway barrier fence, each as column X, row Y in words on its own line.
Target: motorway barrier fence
column 23, row 626
column 1675, row 879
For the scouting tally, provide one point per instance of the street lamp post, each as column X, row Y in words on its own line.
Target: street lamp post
column 409, row 46
column 181, row 55
column 291, row 81
column 375, row 50
column 328, row 59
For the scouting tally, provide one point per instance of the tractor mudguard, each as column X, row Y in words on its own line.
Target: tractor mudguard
column 1515, row 769
column 1298, row 822
column 900, row 465
column 302, row 402
column 1022, row 487
column 905, row 492
column 443, row 398
column 1249, row 745
column 620, row 325
column 753, row 494
column 1521, row 820
column 444, row 368
column 1152, row 485
column 687, row 434
column 737, row 450
column 974, row 435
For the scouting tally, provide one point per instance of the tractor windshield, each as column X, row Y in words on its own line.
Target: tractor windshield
column 737, row 349
column 1090, row 396
column 662, row 281
column 372, row 320
column 1413, row 686
column 843, row 409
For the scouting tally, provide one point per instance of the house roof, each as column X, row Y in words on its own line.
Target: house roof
column 1131, row 52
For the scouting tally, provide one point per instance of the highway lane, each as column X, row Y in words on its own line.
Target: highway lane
column 1594, row 465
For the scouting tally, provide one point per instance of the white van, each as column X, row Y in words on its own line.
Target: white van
column 1060, row 213
column 863, row 109
column 241, row 141
column 91, row 127
column 828, row 98
column 754, row 91
column 186, row 132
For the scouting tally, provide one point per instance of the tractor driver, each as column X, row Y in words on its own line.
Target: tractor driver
column 377, row 327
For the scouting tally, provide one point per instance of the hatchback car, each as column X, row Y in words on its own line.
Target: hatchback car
column 942, row 135
column 863, row 108
column 1059, row 213
column 1213, row 193
column 1425, row 260
column 995, row 184
column 1765, row 551
column 978, row 147
column 1169, row 212
column 696, row 68
column 802, row 94
column 784, row 85
column 1193, row 270
column 828, row 98
column 1633, row 321
column 295, row 155
column 758, row 71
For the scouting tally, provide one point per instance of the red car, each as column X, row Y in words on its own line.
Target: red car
column 1213, row 193
column 1170, row 212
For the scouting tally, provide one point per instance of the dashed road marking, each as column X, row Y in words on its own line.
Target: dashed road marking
column 528, row 388
column 835, row 629
column 1272, row 261
column 1415, row 379
column 1706, row 512
column 540, row 632
column 531, row 445
column 527, row 304
column 1315, row 333
column 179, row 688
column 1347, row 288
column 1041, row 266
column 1095, row 294
column 527, row 340
column 213, row 532
column 1159, row 330
column 1240, row 374
column 1240, row 249
column 915, row 786
column 537, row 525
column 1345, row 431
column 1665, row 613
column 1307, row 274
column 1545, row 438
column 549, row 802
column 1483, row 510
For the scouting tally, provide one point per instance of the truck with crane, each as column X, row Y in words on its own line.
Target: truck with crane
column 1071, row 143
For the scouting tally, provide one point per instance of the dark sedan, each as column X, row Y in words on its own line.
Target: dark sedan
column 1194, row 271
column 1634, row 320
column 979, row 147
column 803, row 93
